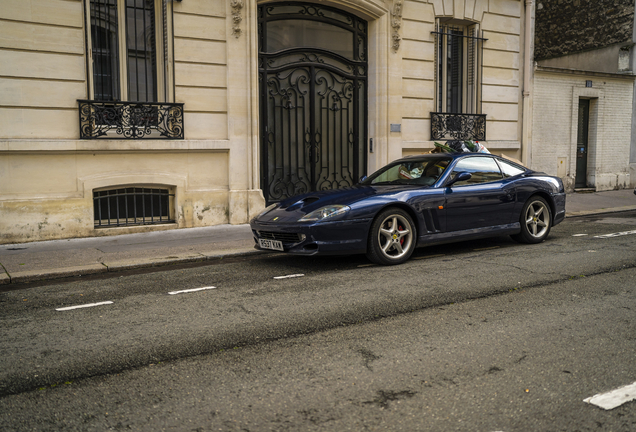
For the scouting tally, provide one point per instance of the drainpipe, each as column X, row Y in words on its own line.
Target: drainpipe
column 526, row 155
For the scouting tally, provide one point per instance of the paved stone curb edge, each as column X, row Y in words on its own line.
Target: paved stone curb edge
column 600, row 211
column 116, row 266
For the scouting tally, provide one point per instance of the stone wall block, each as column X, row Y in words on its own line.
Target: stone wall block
column 568, row 26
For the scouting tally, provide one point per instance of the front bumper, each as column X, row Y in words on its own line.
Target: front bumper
column 345, row 237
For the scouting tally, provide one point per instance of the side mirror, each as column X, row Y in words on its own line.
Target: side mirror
column 462, row 176
column 363, row 178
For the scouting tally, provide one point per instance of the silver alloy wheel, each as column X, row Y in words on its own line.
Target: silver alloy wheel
column 395, row 236
column 537, row 222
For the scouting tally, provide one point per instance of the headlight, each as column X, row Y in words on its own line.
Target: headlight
column 324, row 213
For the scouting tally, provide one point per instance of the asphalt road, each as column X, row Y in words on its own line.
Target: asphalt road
column 479, row 336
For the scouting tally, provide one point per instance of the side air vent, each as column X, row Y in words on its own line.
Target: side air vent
column 431, row 220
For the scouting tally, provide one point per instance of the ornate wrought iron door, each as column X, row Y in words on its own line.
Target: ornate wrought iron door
column 313, row 98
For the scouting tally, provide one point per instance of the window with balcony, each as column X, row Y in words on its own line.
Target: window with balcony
column 458, row 76
column 128, row 73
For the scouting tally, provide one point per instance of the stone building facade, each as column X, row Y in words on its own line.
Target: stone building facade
column 583, row 93
column 135, row 115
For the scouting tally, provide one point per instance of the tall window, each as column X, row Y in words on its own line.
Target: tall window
column 125, row 38
column 458, row 69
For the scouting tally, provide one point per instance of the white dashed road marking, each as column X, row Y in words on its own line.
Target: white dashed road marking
column 84, row 306
column 289, row 276
column 579, row 235
column 618, row 234
column 615, row 398
column 191, row 290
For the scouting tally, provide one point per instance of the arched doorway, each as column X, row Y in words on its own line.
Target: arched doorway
column 313, row 98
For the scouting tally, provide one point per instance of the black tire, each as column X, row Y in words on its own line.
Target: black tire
column 535, row 220
column 392, row 237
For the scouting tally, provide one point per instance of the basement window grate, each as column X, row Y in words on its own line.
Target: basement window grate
column 132, row 206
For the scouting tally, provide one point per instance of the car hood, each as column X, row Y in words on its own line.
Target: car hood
column 292, row 209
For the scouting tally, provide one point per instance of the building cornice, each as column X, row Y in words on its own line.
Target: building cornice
column 567, row 71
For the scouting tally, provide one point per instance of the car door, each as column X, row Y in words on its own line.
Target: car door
column 487, row 199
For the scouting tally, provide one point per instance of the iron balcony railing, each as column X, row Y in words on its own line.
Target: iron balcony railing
column 455, row 126
column 130, row 120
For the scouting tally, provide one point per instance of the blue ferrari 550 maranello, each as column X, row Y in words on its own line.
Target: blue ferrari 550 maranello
column 416, row 201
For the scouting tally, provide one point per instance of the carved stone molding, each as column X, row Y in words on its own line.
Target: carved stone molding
column 237, row 6
column 396, row 23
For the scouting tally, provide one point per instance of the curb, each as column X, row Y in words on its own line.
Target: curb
column 118, row 266
column 599, row 211
column 35, row 275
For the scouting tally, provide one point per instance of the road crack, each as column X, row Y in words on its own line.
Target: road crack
column 384, row 397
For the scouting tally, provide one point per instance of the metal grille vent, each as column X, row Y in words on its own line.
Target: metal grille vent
column 284, row 237
column 132, row 206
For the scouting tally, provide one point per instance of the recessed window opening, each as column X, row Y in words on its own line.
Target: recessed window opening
column 459, row 53
column 125, row 38
column 132, row 206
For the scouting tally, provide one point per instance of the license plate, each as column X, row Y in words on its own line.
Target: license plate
column 271, row 244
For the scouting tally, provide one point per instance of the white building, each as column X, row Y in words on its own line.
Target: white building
column 583, row 94
column 238, row 103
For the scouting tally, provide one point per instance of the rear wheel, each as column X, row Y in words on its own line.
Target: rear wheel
column 536, row 221
column 392, row 237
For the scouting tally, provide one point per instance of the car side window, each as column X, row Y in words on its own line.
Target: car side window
column 423, row 172
column 510, row 169
column 483, row 170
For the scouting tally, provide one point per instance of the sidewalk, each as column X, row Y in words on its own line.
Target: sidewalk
column 55, row 259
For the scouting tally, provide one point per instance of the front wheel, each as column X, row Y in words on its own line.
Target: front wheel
column 536, row 221
column 392, row 237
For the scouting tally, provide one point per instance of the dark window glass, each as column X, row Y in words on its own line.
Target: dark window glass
column 285, row 34
column 471, row 72
column 142, row 51
column 104, row 37
column 455, row 71
column 483, row 170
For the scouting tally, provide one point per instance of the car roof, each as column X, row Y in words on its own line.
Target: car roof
column 443, row 155
column 457, row 155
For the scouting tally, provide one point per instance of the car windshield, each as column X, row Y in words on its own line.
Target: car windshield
column 418, row 172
